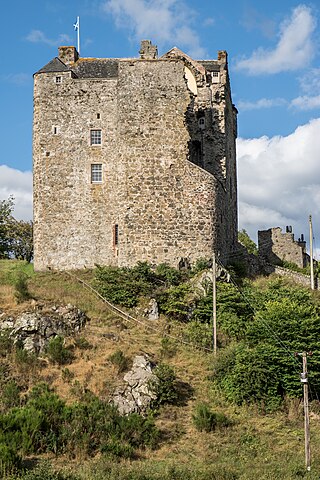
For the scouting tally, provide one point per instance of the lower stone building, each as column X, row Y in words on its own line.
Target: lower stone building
column 276, row 247
column 134, row 159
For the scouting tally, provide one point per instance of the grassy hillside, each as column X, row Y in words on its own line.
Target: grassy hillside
column 253, row 445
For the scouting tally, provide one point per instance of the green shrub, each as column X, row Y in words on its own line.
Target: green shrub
column 82, row 343
column 199, row 334
column 6, row 343
column 119, row 359
column 10, row 461
column 200, row 265
column 25, row 358
column 57, row 352
column 10, row 395
column 67, row 375
column 120, row 286
column 164, row 386
column 21, row 292
column 168, row 348
column 169, row 275
column 206, row 420
column 174, row 302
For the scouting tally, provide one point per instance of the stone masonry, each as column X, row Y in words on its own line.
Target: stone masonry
column 134, row 159
column 276, row 247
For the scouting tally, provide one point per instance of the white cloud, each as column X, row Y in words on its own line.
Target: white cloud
column 166, row 22
column 261, row 103
column 310, row 81
column 19, row 184
column 306, row 103
column 37, row 36
column 17, row 78
column 279, row 181
column 295, row 48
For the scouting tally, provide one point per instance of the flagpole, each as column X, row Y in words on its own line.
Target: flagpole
column 77, row 28
column 78, row 31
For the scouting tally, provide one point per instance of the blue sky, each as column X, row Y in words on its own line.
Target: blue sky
column 275, row 77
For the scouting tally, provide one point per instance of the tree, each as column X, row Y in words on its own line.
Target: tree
column 247, row 242
column 22, row 240
column 16, row 236
column 6, row 219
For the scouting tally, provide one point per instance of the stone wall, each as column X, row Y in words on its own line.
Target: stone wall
column 276, row 247
column 168, row 184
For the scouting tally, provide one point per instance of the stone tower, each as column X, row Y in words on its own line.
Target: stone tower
column 134, row 159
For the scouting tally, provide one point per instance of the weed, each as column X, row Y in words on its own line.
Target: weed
column 57, row 352
column 21, row 287
column 67, row 375
column 119, row 359
column 206, row 420
column 82, row 343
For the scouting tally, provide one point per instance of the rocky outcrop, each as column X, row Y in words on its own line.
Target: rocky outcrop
column 33, row 330
column 136, row 394
column 152, row 312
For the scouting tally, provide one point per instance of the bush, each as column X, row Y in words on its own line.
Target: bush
column 119, row 359
column 9, row 459
column 82, row 343
column 6, row 343
column 10, row 395
column 165, row 385
column 200, row 334
column 57, row 352
column 174, row 302
column 21, row 287
column 120, row 286
column 206, row 420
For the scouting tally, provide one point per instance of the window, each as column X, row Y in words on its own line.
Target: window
column 96, row 173
column 215, row 77
column 115, row 235
column 202, row 123
column 55, row 130
column 95, row 137
column 98, row 116
column 58, row 80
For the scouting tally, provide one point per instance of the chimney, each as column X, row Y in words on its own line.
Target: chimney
column 68, row 55
column 148, row 51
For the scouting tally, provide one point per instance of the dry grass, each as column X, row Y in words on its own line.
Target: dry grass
column 255, row 446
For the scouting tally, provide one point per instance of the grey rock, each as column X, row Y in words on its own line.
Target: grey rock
column 152, row 312
column 35, row 329
column 136, row 394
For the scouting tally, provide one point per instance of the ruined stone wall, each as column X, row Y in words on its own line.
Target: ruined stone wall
column 275, row 246
column 164, row 205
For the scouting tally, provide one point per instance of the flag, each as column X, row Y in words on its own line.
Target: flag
column 76, row 25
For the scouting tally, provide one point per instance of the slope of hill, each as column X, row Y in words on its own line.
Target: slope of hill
column 254, row 442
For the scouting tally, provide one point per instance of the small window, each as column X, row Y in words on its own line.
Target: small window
column 115, row 235
column 98, row 116
column 58, row 80
column 95, row 137
column 215, row 77
column 55, row 130
column 202, row 123
column 96, row 173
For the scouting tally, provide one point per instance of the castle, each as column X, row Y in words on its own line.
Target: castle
column 134, row 159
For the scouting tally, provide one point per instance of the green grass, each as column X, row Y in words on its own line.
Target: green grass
column 10, row 268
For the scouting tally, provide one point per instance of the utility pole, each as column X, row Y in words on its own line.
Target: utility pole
column 214, row 303
column 304, row 381
column 311, row 254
